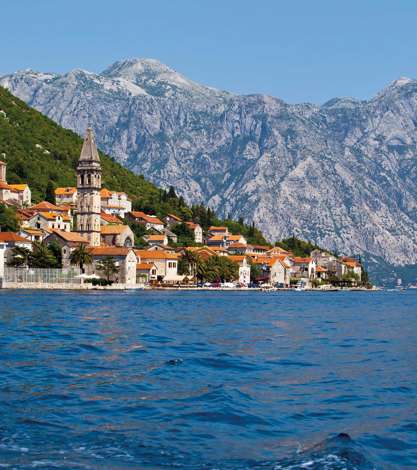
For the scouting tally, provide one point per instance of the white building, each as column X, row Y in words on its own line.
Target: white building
column 115, row 202
column 15, row 194
column 197, row 230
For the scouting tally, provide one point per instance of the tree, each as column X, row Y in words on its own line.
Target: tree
column 108, row 266
column 20, row 257
column 50, row 192
column 219, row 269
column 189, row 262
column 81, row 256
column 8, row 221
column 42, row 257
column 184, row 234
column 55, row 249
column 255, row 271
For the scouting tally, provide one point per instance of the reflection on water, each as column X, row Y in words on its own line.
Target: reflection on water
column 208, row 380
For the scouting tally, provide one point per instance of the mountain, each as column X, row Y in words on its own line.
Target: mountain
column 342, row 175
column 43, row 154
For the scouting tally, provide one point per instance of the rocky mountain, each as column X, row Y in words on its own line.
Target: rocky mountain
column 343, row 174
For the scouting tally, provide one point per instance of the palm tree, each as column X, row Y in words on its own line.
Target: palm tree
column 81, row 256
column 191, row 260
column 108, row 266
column 20, row 256
column 41, row 257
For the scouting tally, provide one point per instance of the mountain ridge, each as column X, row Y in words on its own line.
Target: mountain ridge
column 342, row 174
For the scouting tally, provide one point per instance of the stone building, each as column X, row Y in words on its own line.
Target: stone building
column 88, row 191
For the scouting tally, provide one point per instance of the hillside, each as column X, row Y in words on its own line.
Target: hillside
column 342, row 175
column 40, row 152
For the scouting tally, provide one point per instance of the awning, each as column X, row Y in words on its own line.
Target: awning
column 173, row 278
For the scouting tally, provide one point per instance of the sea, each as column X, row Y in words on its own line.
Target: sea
column 208, row 380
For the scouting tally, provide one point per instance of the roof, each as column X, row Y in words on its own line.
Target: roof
column 155, row 238
column 144, row 266
column 213, row 228
column 110, row 218
column 149, row 255
column 115, row 229
column 320, row 269
column 237, row 258
column 299, row 260
column 352, row 264
column 105, row 193
column 218, row 248
column 89, row 150
column 216, row 238
column 110, row 251
column 18, row 187
column 65, row 191
column 70, row 236
column 51, row 216
column 4, row 185
column 234, row 237
column 259, row 247
column 24, row 214
column 48, row 207
column 175, row 217
column 31, row 231
column 12, row 237
column 148, row 218
column 238, row 245
column 191, row 225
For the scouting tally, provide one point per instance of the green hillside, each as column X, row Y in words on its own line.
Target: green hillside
column 43, row 154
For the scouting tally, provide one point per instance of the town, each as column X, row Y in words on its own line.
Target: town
column 90, row 237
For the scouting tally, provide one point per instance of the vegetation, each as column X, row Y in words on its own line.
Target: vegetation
column 8, row 220
column 81, row 256
column 297, row 246
column 184, row 234
column 108, row 267
column 40, row 257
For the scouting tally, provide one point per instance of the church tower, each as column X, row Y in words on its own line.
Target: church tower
column 88, row 190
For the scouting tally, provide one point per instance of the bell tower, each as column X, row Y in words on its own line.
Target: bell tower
column 88, row 190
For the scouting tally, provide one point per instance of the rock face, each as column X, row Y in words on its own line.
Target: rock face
column 343, row 174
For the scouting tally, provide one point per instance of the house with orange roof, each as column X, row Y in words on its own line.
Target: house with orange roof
column 45, row 220
column 172, row 219
column 117, row 235
column 166, row 264
column 151, row 222
column 204, row 252
column 11, row 240
column 67, row 241
column 32, row 234
column 213, row 230
column 115, row 202
column 125, row 260
column 106, row 219
column 66, row 195
column 275, row 270
column 145, row 273
column 197, row 231
column 303, row 268
column 156, row 239
column 15, row 194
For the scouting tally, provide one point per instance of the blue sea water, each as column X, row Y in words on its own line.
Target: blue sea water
column 208, row 380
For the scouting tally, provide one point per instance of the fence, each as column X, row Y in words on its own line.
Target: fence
column 41, row 276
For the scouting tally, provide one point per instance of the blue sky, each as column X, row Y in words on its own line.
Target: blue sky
column 298, row 50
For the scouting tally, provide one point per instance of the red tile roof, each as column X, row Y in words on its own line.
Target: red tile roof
column 12, row 237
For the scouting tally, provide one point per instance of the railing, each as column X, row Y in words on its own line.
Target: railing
column 42, row 275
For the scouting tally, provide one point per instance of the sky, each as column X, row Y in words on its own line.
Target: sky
column 297, row 50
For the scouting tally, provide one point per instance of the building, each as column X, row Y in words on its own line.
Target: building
column 49, row 220
column 114, row 202
column 11, row 240
column 275, row 270
column 66, row 195
column 46, row 206
column 244, row 269
column 88, row 191
column 106, row 219
column 125, row 259
column 156, row 239
column 166, row 264
column 145, row 273
column 172, row 219
column 117, row 235
column 68, row 241
column 303, row 268
column 151, row 222
column 14, row 194
column 197, row 231
column 32, row 234
column 213, row 230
